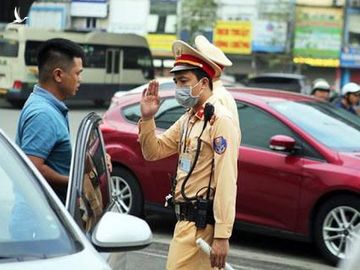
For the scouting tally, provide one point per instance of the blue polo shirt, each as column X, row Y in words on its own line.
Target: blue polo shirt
column 43, row 130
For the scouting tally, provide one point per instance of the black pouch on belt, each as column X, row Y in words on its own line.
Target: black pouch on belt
column 203, row 207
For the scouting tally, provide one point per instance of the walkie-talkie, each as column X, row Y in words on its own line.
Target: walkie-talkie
column 208, row 112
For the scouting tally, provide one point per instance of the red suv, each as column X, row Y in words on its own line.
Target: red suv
column 299, row 165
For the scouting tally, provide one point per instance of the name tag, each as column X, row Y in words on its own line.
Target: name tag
column 185, row 162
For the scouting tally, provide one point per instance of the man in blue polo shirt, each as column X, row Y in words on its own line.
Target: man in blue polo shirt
column 43, row 127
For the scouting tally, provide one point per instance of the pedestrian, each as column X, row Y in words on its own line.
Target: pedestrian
column 204, row 188
column 350, row 97
column 321, row 89
column 216, row 55
column 43, row 127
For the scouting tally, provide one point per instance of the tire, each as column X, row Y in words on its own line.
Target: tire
column 335, row 225
column 125, row 191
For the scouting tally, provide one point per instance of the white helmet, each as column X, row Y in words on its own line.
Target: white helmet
column 320, row 84
column 349, row 88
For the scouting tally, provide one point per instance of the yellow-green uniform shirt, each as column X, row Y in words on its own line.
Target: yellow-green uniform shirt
column 219, row 141
column 226, row 99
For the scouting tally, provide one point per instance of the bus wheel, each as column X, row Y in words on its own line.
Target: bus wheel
column 99, row 102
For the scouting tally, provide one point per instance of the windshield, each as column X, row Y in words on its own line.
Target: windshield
column 29, row 227
column 9, row 48
column 331, row 126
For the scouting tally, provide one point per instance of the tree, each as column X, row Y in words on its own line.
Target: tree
column 196, row 16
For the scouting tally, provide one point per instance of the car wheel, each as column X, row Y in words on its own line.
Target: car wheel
column 125, row 192
column 336, row 224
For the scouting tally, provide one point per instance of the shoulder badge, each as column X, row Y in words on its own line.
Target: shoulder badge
column 219, row 145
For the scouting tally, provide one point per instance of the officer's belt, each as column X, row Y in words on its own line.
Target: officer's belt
column 187, row 211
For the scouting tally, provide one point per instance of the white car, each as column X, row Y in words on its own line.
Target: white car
column 165, row 83
column 38, row 232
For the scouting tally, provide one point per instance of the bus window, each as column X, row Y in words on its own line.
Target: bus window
column 109, row 57
column 117, row 62
column 9, row 48
column 139, row 58
column 31, row 48
column 94, row 55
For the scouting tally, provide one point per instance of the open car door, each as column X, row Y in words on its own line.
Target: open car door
column 89, row 199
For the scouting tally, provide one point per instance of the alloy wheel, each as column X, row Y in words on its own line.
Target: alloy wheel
column 340, row 229
column 121, row 194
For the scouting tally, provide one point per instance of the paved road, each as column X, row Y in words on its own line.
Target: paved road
column 248, row 251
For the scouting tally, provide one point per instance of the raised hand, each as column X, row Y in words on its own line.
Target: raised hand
column 150, row 100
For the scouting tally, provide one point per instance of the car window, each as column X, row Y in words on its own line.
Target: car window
column 258, row 126
column 94, row 189
column 334, row 127
column 288, row 84
column 29, row 225
column 168, row 113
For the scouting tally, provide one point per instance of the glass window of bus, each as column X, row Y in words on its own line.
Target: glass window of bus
column 94, row 55
column 31, row 48
column 9, row 48
column 139, row 58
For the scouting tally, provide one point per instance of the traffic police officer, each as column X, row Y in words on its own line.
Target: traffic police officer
column 204, row 190
column 216, row 55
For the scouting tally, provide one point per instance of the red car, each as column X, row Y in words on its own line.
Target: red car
column 299, row 165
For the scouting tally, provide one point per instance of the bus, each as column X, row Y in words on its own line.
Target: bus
column 113, row 62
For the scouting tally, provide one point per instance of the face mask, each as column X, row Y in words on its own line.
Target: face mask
column 184, row 98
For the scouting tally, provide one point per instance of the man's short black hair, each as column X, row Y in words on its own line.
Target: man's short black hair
column 57, row 53
column 199, row 73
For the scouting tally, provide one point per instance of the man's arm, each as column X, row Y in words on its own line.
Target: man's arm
column 54, row 178
column 225, row 145
column 155, row 147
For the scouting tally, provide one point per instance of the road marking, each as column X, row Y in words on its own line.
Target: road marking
column 235, row 266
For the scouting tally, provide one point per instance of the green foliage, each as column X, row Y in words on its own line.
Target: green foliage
column 197, row 15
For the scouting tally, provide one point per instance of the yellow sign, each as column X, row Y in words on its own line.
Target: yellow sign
column 233, row 36
column 317, row 62
column 160, row 44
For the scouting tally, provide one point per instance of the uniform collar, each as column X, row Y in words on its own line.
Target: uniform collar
column 200, row 113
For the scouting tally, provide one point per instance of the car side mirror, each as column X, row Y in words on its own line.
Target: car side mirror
column 120, row 232
column 282, row 143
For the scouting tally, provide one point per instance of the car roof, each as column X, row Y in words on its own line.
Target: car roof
column 268, row 95
column 279, row 75
column 253, row 95
column 139, row 89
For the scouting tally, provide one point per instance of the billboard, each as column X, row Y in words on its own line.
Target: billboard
column 161, row 44
column 350, row 54
column 318, row 35
column 233, row 37
column 269, row 36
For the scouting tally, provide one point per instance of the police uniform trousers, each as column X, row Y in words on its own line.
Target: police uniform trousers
column 184, row 254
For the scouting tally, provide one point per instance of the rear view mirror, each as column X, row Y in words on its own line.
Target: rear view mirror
column 282, row 143
column 120, row 232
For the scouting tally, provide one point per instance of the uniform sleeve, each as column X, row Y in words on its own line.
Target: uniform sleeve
column 38, row 136
column 157, row 147
column 225, row 145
